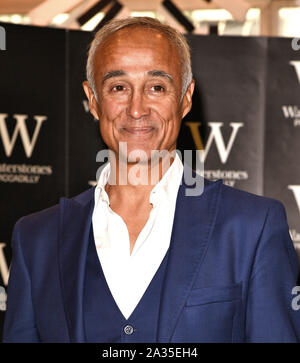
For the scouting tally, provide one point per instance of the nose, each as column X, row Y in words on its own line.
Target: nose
column 137, row 106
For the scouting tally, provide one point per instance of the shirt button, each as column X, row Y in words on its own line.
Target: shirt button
column 128, row 329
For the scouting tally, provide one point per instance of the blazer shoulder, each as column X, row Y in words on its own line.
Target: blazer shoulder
column 85, row 196
column 48, row 218
column 235, row 195
column 249, row 204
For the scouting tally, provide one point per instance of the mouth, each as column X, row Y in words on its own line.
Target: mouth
column 139, row 130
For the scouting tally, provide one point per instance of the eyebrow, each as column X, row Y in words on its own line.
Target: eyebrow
column 154, row 73
column 158, row 73
column 112, row 74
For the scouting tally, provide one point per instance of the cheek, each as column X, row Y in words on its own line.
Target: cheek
column 110, row 110
column 169, row 113
column 172, row 118
column 168, row 106
column 109, row 115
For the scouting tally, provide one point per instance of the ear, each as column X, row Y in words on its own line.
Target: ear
column 93, row 105
column 186, row 104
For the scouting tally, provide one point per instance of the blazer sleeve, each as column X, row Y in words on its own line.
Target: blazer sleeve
column 19, row 324
column 270, row 316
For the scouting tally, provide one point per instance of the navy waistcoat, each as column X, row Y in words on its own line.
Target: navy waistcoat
column 103, row 320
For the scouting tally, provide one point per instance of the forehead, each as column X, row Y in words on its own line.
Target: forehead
column 137, row 47
column 142, row 35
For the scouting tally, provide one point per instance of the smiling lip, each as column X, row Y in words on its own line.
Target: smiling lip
column 139, row 130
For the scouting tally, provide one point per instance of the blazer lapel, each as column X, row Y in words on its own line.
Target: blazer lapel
column 193, row 223
column 75, row 224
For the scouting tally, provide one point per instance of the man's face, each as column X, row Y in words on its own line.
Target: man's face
column 138, row 84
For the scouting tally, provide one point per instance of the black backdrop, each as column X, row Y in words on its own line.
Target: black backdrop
column 245, row 112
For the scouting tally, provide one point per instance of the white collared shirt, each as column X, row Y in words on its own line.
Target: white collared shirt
column 128, row 276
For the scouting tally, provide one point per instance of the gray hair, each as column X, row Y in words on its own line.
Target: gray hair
column 176, row 38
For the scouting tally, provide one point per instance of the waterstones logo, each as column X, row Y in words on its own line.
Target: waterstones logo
column 296, row 192
column 224, row 149
column 291, row 112
column 21, row 129
column 215, row 136
column 16, row 130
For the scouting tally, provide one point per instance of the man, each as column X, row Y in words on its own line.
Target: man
column 134, row 262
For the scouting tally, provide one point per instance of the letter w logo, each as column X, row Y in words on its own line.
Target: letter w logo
column 296, row 190
column 20, row 128
column 4, row 270
column 215, row 134
column 296, row 64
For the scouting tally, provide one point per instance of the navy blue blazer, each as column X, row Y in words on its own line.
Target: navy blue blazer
column 229, row 277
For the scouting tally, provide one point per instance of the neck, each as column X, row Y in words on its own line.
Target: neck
column 134, row 181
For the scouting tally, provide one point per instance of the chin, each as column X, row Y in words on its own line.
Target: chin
column 140, row 155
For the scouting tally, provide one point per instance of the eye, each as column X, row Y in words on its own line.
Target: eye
column 158, row 88
column 118, row 88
